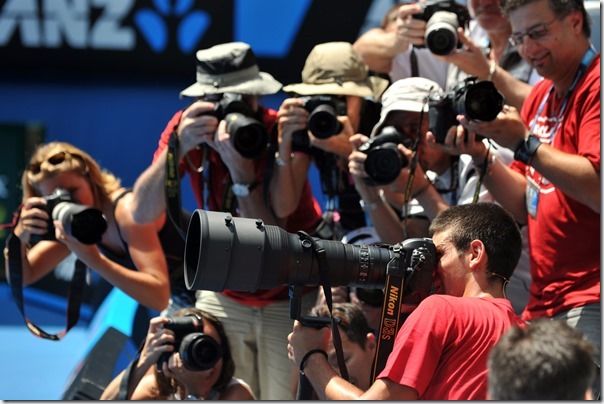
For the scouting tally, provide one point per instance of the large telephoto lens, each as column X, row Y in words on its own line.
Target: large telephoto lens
column 84, row 223
column 224, row 252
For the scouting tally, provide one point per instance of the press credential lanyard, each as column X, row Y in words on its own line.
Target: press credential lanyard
column 534, row 187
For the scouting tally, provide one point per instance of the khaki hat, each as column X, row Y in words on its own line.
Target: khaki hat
column 334, row 68
column 410, row 94
column 230, row 68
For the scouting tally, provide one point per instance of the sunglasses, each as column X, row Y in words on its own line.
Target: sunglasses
column 55, row 160
column 536, row 33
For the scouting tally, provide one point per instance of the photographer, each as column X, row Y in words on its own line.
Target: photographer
column 500, row 62
column 441, row 350
column 332, row 72
column 225, row 180
column 440, row 180
column 174, row 381
column 554, row 183
column 128, row 255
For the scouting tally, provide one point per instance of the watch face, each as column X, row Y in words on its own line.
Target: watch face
column 241, row 189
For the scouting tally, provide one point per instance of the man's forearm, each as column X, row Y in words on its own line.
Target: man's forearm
column 513, row 90
column 326, row 383
column 572, row 174
column 148, row 201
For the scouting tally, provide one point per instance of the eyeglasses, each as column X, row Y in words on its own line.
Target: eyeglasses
column 55, row 160
column 536, row 33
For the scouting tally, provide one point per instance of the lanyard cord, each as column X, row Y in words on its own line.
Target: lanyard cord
column 588, row 57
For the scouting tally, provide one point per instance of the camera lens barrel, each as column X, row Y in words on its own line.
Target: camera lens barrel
column 224, row 252
column 323, row 121
column 199, row 352
column 84, row 223
column 248, row 135
column 441, row 32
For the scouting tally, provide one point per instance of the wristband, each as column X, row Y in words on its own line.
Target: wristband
column 525, row 151
column 307, row 355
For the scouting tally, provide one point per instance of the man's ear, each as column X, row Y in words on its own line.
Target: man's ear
column 370, row 344
column 576, row 21
column 477, row 255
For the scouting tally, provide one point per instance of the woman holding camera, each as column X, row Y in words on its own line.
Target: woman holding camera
column 174, row 381
column 129, row 255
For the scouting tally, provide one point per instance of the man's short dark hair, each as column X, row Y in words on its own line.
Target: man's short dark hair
column 489, row 223
column 561, row 9
column 352, row 320
column 547, row 360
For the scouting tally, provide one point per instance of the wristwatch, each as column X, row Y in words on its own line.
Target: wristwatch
column 243, row 190
column 526, row 149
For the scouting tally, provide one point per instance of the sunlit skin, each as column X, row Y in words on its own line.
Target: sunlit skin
column 358, row 360
column 451, row 268
column 551, row 53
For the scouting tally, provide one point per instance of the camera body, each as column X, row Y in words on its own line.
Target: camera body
column 474, row 99
column 197, row 350
column 443, row 17
column 85, row 223
column 248, row 135
column 384, row 161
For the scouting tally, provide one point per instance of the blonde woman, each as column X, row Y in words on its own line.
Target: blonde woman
column 129, row 255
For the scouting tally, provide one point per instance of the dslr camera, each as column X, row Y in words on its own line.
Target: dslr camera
column 197, row 350
column 384, row 162
column 85, row 223
column 442, row 17
column 323, row 119
column 477, row 100
column 248, row 135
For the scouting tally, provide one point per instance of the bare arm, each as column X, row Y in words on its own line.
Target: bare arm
column 42, row 258
column 572, row 174
column 472, row 60
column 288, row 179
column 148, row 201
column 377, row 47
column 195, row 127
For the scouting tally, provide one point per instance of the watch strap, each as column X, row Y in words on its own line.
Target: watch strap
column 526, row 149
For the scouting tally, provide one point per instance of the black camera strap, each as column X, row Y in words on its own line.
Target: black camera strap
column 390, row 320
column 15, row 279
column 172, row 185
column 126, row 388
column 319, row 253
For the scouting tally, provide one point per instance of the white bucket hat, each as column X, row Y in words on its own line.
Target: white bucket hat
column 410, row 94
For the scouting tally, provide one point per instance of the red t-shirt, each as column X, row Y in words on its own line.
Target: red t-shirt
column 305, row 217
column 442, row 348
column 564, row 237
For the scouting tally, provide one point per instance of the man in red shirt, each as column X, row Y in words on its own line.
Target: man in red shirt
column 554, row 184
column 441, row 350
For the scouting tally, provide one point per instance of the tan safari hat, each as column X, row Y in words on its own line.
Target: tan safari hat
column 334, row 68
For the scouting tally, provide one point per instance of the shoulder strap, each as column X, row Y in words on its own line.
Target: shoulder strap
column 119, row 231
column 15, row 278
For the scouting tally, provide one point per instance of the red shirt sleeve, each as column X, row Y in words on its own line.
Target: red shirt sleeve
column 420, row 344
